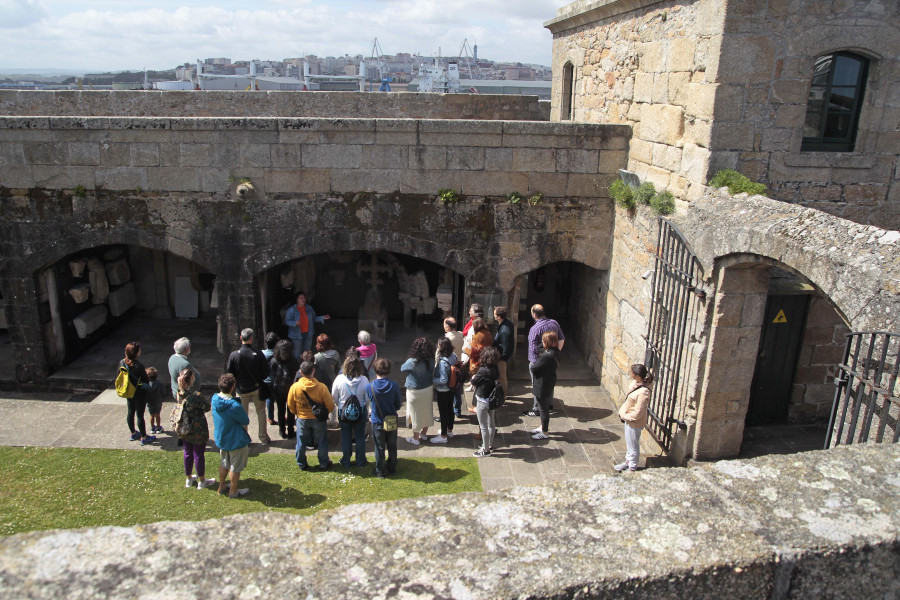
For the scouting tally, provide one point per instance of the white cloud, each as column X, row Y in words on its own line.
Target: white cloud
column 15, row 14
column 111, row 35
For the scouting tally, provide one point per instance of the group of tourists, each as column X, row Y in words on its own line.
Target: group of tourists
column 303, row 391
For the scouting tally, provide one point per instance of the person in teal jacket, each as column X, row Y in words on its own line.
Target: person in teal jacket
column 300, row 320
column 230, row 421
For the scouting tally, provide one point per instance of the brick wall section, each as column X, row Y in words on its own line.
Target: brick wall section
column 271, row 104
column 651, row 65
column 764, row 72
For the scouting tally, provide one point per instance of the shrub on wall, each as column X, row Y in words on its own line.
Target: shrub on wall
column 662, row 203
column 737, row 183
column 622, row 193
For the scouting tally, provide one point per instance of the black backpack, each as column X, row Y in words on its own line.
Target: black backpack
column 281, row 381
column 496, row 398
column 319, row 411
column 352, row 411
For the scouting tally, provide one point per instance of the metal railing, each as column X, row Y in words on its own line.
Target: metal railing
column 867, row 399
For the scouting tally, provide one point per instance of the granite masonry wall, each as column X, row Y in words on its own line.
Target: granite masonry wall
column 768, row 55
column 651, row 65
column 813, row 526
column 319, row 185
column 492, row 107
column 709, row 85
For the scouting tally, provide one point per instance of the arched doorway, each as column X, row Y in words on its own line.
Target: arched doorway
column 801, row 343
column 94, row 301
column 393, row 296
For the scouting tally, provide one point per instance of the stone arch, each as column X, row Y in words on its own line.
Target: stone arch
column 461, row 261
column 48, row 254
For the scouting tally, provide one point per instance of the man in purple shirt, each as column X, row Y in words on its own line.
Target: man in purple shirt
column 535, row 346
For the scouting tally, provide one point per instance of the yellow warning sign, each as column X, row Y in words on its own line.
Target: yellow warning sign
column 780, row 317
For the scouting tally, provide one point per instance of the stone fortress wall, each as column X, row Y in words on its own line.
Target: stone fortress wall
column 709, row 85
column 813, row 526
column 385, row 105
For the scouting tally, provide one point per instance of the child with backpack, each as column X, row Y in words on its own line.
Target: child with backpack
column 154, row 395
column 349, row 393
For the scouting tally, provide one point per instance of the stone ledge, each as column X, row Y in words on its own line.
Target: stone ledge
column 820, row 524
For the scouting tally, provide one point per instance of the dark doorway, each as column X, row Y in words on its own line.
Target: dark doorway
column 779, row 345
column 411, row 290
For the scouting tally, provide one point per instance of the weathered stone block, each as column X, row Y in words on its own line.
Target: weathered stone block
column 332, row 156
column 680, row 56
column 577, row 161
column 41, row 153
column 679, row 87
column 461, row 133
column 666, row 157
column 19, row 176
column 695, row 163
column 465, row 158
column 489, row 183
column 662, row 123
column 660, row 94
column 83, row 153
column 428, row 157
column 144, row 155
column 172, row 179
column 257, row 155
column 651, row 57
column 304, row 181
column 195, row 155
column 286, row 156
column 379, row 156
column 534, row 159
column 643, row 87
column 382, row 181
column 122, row 178
column 498, row 159
column 746, row 59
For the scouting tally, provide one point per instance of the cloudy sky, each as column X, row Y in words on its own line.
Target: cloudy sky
column 135, row 34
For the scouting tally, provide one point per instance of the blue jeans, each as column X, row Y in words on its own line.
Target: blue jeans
column 384, row 441
column 309, row 432
column 349, row 433
column 270, row 409
column 302, row 344
column 457, row 401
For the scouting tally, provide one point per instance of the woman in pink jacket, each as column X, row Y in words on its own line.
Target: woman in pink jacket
column 634, row 414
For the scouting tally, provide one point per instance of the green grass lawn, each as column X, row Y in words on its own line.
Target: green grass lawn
column 48, row 488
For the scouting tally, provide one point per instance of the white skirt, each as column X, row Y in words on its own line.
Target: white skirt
column 419, row 409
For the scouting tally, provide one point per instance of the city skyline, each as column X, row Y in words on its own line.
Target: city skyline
column 113, row 35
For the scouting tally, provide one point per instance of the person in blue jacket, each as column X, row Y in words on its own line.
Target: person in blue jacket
column 230, row 421
column 300, row 320
column 384, row 396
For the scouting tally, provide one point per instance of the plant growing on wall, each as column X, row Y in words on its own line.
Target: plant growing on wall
column 622, row 193
column 79, row 191
column 536, row 199
column 737, row 183
column 448, row 196
column 626, row 196
column 514, row 197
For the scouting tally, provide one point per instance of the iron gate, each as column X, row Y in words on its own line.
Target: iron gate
column 676, row 281
column 867, row 399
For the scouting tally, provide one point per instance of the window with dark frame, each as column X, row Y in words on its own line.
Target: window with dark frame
column 835, row 101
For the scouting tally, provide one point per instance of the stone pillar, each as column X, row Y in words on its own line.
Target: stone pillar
column 25, row 329
column 238, row 302
column 738, row 314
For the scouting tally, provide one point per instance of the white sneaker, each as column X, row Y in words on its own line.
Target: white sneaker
column 205, row 483
column 449, row 434
column 190, row 482
column 413, row 441
column 540, row 435
column 438, row 439
column 533, row 431
column 621, row 466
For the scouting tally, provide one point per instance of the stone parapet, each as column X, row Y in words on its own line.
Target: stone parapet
column 271, row 104
column 308, row 155
column 814, row 526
